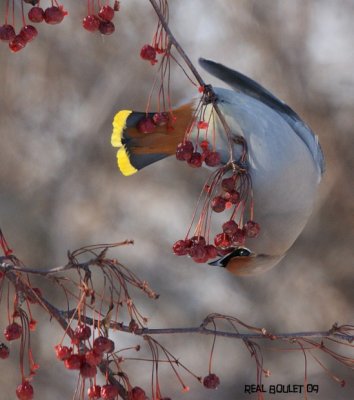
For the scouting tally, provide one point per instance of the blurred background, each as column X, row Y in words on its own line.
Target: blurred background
column 60, row 188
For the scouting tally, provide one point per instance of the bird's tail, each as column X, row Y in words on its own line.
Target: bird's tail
column 144, row 138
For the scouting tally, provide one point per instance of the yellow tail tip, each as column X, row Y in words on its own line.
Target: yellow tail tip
column 124, row 165
column 119, row 124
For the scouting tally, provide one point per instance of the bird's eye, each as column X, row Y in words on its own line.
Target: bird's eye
column 241, row 252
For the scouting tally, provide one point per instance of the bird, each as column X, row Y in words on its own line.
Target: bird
column 285, row 161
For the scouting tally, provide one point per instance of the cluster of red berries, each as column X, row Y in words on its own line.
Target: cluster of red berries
column 186, row 152
column 51, row 15
column 102, row 21
column 149, row 124
column 86, row 359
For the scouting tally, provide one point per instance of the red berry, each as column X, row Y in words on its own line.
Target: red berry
column 161, row 119
column 222, row 240
column 184, row 151
column 82, row 332
column 94, row 392
column 204, row 144
column 17, row 43
column 87, row 370
column 93, row 358
column 106, row 13
column 7, row 32
column 62, row 352
column 109, row 392
column 4, row 351
column 54, row 15
column 238, row 238
column 198, row 253
column 13, row 331
column 233, row 196
column 106, row 27
column 103, row 345
column 28, row 33
column 73, row 362
column 146, row 125
column 180, row 248
column 218, row 204
column 251, row 229
column 196, row 160
column 228, row 184
column 148, row 53
column 198, row 240
column 138, row 393
column 36, row 14
column 211, row 381
column 211, row 251
column 91, row 23
column 25, row 391
column 230, row 227
column 213, row 159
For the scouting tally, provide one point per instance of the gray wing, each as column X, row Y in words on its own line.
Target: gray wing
column 249, row 87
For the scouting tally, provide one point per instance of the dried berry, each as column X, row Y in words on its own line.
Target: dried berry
column 93, row 358
column 91, row 23
column 238, row 238
column 182, row 247
column 212, row 159
column 211, row 251
column 218, row 204
column 106, row 13
column 230, row 227
column 228, row 184
column 146, row 125
column 63, row 352
column 148, row 53
column 233, row 196
column 109, row 392
column 211, row 381
column 103, row 344
column 13, row 331
column 54, row 15
column 252, row 229
column 138, row 393
column 196, row 160
column 161, row 119
column 36, row 14
column 94, row 392
column 73, row 362
column 106, row 27
column 222, row 240
column 184, row 151
column 4, row 351
column 82, row 332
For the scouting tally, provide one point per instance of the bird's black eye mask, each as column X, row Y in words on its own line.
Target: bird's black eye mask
column 239, row 252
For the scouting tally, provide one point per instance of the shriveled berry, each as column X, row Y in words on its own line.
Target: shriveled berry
column 103, row 344
column 222, row 240
column 218, row 204
column 109, row 392
column 82, row 332
column 4, row 351
column 94, row 392
column 198, row 240
column 184, row 151
column 211, row 251
column 148, row 53
column 25, row 391
column 212, row 159
column 211, row 381
column 238, row 238
column 181, row 247
column 36, row 14
column 230, row 227
column 93, row 358
column 133, row 326
column 146, row 125
column 91, row 23
column 138, row 393
column 252, row 229
column 106, row 27
column 106, row 13
column 73, row 362
column 198, row 253
column 228, row 184
column 62, row 352
column 54, row 15
column 116, row 5
column 233, row 196
column 28, row 33
column 13, row 331
column 7, row 32
column 87, row 370
column 196, row 160
column 161, row 119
